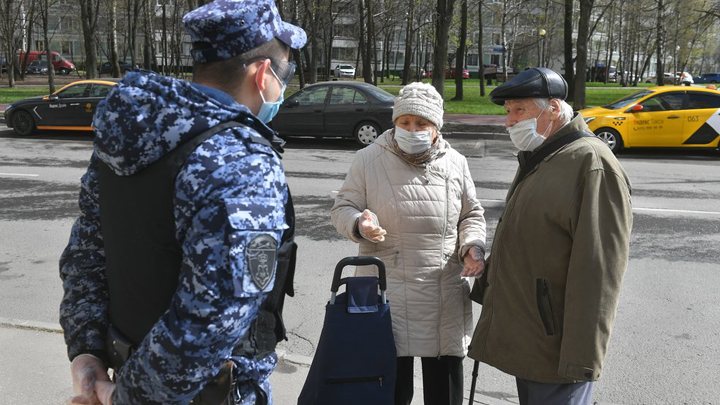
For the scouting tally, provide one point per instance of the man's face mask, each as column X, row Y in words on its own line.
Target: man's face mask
column 524, row 133
column 269, row 110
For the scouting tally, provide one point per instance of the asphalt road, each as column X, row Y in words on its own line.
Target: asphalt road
column 665, row 346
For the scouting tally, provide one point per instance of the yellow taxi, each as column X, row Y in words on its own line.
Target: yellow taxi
column 71, row 108
column 663, row 116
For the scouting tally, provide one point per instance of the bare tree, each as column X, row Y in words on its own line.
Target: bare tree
column 444, row 16
column 586, row 7
column 10, row 13
column 89, row 10
column 568, row 49
column 460, row 54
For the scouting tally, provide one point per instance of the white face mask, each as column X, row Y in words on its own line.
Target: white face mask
column 525, row 136
column 413, row 142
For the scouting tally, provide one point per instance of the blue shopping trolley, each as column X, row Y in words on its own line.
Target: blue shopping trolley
column 355, row 360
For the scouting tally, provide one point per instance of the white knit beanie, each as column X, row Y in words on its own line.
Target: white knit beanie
column 420, row 99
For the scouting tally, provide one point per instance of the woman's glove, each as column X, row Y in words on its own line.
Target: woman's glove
column 369, row 228
column 474, row 262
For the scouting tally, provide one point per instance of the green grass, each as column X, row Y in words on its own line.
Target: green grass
column 472, row 102
column 8, row 95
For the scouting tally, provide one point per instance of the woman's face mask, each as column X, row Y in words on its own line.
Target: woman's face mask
column 525, row 136
column 413, row 142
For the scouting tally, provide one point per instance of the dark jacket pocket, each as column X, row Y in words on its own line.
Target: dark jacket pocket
column 542, row 294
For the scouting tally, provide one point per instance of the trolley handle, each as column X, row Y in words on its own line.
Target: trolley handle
column 359, row 261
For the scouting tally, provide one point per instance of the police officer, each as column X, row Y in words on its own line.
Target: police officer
column 560, row 251
column 176, row 268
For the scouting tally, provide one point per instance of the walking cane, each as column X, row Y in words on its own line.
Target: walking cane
column 474, row 380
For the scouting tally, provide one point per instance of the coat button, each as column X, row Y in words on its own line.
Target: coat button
column 487, row 284
column 469, row 347
column 500, row 220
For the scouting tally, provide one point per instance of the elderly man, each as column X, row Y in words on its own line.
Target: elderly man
column 560, row 251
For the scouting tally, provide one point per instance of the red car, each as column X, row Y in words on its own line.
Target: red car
column 450, row 74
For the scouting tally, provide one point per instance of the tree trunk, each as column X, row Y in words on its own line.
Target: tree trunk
column 367, row 60
column 481, row 56
column 582, row 54
column 567, row 36
column 460, row 56
column 442, row 33
column 408, row 42
column 659, row 44
column 89, row 17
column 45, row 9
column 114, row 61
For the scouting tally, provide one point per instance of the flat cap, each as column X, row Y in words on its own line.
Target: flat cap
column 227, row 28
column 531, row 83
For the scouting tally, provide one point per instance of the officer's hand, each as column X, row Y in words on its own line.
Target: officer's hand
column 474, row 262
column 86, row 369
column 104, row 390
column 369, row 227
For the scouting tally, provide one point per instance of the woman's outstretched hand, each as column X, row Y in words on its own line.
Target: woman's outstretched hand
column 369, row 227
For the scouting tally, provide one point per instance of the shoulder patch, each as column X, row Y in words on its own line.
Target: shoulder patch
column 261, row 254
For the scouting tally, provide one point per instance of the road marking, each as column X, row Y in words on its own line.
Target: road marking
column 668, row 210
column 19, row 174
column 677, row 211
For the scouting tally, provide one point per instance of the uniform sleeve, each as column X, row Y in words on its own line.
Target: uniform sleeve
column 84, row 306
column 601, row 225
column 224, row 215
column 471, row 228
column 351, row 200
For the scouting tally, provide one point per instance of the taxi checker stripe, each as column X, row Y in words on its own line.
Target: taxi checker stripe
column 707, row 132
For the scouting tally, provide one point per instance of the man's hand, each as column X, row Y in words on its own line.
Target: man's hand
column 86, row 370
column 474, row 262
column 104, row 390
column 369, row 227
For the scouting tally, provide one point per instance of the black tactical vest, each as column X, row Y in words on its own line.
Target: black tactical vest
column 143, row 257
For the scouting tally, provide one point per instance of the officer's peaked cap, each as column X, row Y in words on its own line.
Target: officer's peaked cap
column 531, row 83
column 225, row 28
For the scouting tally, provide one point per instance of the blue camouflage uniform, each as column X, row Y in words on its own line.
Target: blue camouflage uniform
column 229, row 189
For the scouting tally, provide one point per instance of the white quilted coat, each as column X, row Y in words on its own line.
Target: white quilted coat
column 432, row 217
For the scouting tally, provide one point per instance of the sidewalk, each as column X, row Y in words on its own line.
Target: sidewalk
column 34, row 369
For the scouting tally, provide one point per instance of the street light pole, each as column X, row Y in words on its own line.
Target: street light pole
column 542, row 33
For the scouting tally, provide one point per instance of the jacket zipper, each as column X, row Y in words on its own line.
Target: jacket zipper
column 442, row 266
column 355, row 380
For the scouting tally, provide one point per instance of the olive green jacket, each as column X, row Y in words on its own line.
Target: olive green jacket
column 557, row 263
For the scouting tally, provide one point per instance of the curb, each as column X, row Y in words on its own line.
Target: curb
column 30, row 325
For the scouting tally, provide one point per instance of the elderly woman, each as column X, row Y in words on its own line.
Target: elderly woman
column 409, row 199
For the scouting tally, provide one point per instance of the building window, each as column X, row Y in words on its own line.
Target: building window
column 472, row 60
column 496, row 39
column 40, row 45
column 495, row 59
column 67, row 47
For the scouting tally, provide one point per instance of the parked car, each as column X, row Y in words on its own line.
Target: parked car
column 61, row 65
column 336, row 109
column 106, row 68
column 71, row 108
column 668, row 78
column 667, row 116
column 450, row 74
column 708, row 78
column 37, row 67
column 344, row 71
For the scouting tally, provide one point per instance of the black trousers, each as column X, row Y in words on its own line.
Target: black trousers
column 442, row 380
